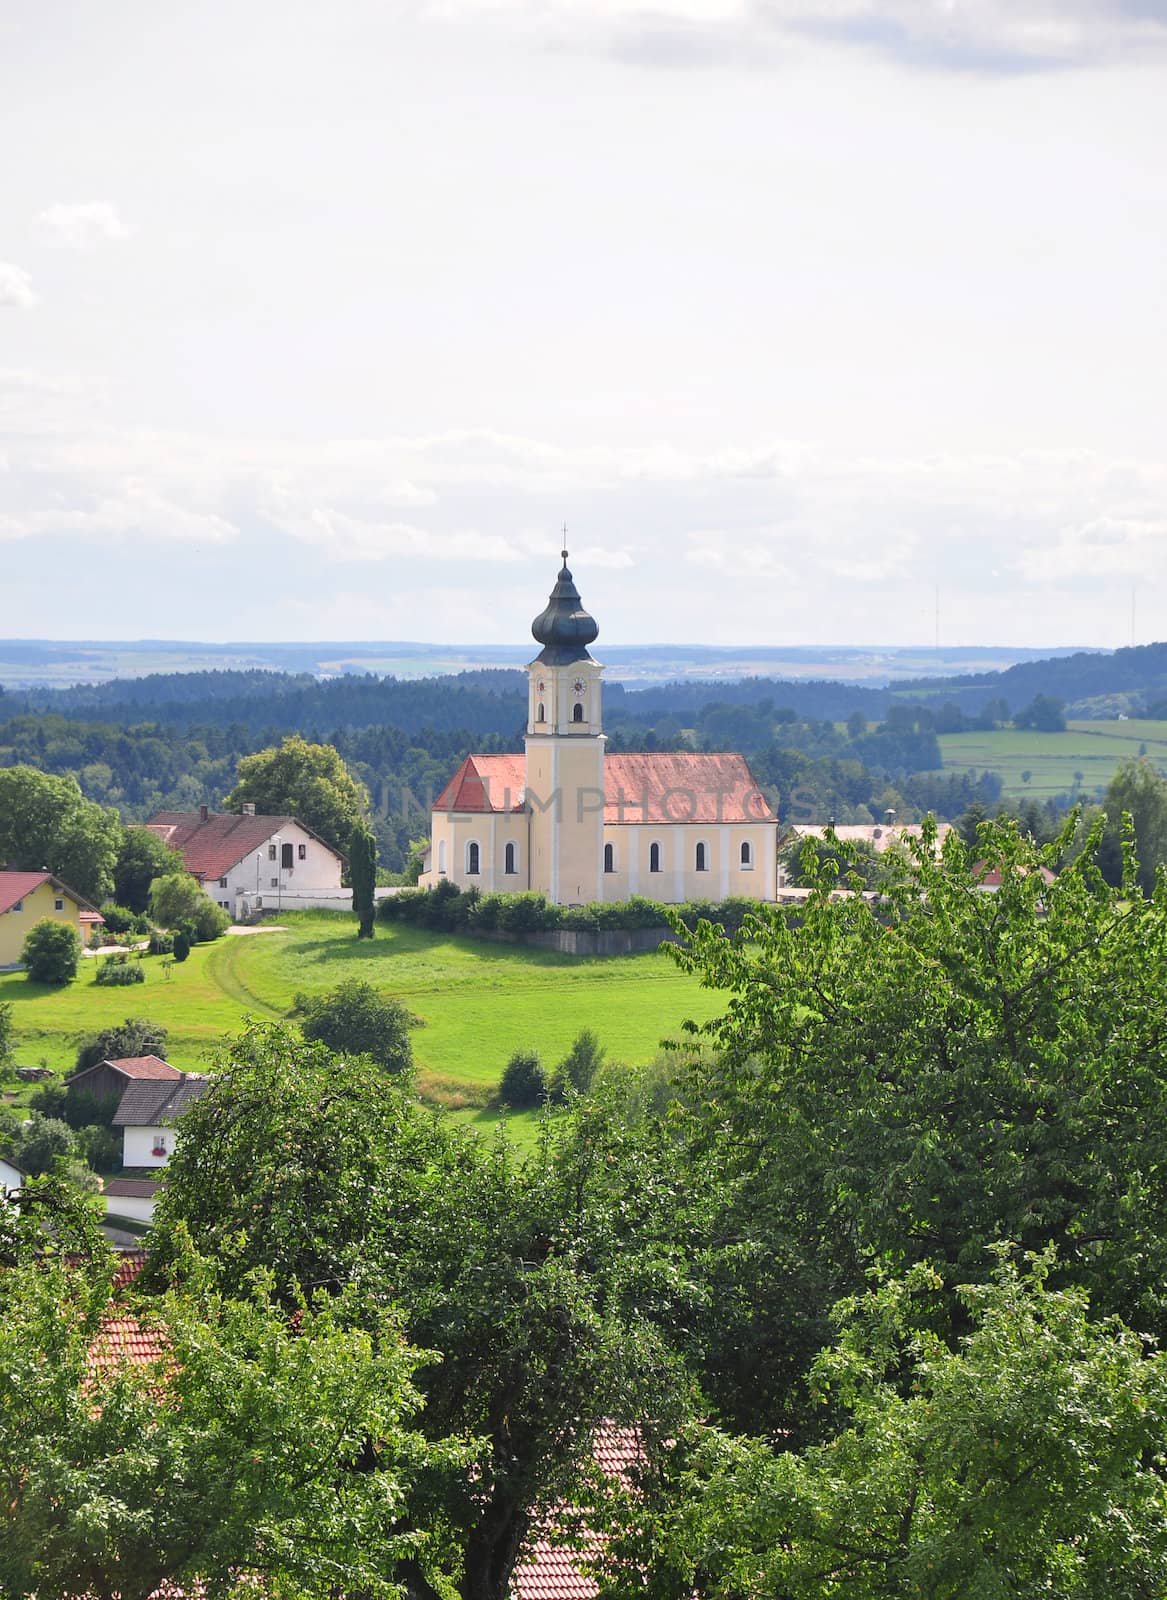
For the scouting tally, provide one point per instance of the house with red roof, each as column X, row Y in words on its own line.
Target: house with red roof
column 247, row 862
column 28, row 897
column 575, row 824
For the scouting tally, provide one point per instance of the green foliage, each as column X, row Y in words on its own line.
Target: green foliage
column 7, row 1036
column 178, row 898
column 251, row 1449
column 161, row 943
column 524, row 1082
column 1022, row 1461
column 355, row 1019
column 307, row 781
column 118, row 972
column 180, row 945
column 41, row 1144
column 362, row 864
column 136, row 1036
column 1137, row 792
column 1044, row 713
column 578, row 1068
column 447, row 909
column 120, row 919
column 51, row 952
column 141, row 858
column 46, row 823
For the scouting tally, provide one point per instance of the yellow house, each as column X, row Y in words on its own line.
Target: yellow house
column 26, row 898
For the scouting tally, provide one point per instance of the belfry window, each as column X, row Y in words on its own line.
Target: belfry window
column 577, row 712
column 609, row 858
column 702, row 862
column 541, row 712
column 511, row 859
column 654, row 858
column 472, row 868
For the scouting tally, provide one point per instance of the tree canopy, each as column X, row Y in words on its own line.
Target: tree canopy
column 47, row 824
column 308, row 781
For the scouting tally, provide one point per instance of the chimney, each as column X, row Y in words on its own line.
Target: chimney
column 203, row 813
column 248, row 809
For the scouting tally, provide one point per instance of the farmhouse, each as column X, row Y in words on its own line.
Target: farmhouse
column 28, row 897
column 247, row 862
column 108, row 1080
column 575, row 824
column 147, row 1113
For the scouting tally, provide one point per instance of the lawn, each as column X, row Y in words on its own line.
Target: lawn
column 1052, row 760
column 478, row 1001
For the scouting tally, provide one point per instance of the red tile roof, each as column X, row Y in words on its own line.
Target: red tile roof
column 549, row 1571
column 143, row 1067
column 486, row 783
column 653, row 787
column 212, row 847
column 15, row 885
column 681, row 786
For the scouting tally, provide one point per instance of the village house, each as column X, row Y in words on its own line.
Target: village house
column 575, row 824
column 148, row 1112
column 249, row 863
column 11, row 1178
column 108, row 1080
column 27, row 898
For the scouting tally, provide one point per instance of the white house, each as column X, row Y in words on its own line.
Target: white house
column 147, row 1114
column 11, row 1176
column 247, row 862
column 131, row 1197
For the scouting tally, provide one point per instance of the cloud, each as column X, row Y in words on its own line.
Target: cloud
column 16, row 288
column 81, row 227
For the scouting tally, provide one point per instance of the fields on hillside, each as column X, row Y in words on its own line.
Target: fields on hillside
column 1093, row 749
column 478, row 1002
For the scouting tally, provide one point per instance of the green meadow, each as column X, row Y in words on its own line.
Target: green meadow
column 1053, row 761
column 478, row 1002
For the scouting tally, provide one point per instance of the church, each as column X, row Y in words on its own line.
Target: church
column 568, row 821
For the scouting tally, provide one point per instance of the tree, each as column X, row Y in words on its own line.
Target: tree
column 308, row 781
column 178, row 898
column 541, row 1281
column 143, row 856
column 47, row 824
column 133, row 1037
column 42, row 1144
column 362, row 865
column 920, row 1079
column 1137, row 790
column 355, row 1020
column 524, row 1082
column 51, row 952
column 578, row 1068
column 250, row 1448
column 7, row 1036
column 1025, row 1461
column 1044, row 713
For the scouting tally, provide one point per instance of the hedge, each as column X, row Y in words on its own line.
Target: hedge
column 447, row 909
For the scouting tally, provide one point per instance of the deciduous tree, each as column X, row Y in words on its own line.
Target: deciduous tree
column 308, row 781
column 354, row 1019
column 142, row 857
column 46, row 823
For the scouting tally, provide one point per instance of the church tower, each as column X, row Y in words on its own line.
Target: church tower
column 565, row 752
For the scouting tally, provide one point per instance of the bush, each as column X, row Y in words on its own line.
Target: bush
column 161, row 942
column 524, row 1083
column 133, row 1037
column 120, row 919
column 180, row 945
column 101, row 1147
column 447, row 910
column 41, row 1144
column 117, row 972
column 354, row 1019
column 178, row 899
column 51, row 952
column 579, row 1067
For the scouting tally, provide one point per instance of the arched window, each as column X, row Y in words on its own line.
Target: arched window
column 747, row 854
column 472, row 859
column 511, row 859
column 609, row 858
column 702, row 862
column 541, row 713
column 654, row 858
column 441, row 855
column 577, row 712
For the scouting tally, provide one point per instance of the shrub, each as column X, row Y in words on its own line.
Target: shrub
column 42, row 1143
column 51, row 952
column 524, row 1082
column 133, row 1037
column 161, row 942
column 116, row 972
column 180, row 945
column 579, row 1067
column 120, row 919
column 354, row 1019
column 101, row 1147
column 177, row 899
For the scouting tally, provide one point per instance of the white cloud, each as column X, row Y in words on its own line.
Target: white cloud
column 81, row 227
column 16, row 287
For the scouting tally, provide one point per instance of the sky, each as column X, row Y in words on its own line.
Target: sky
column 815, row 321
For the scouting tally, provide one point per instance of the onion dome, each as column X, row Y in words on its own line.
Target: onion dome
column 564, row 629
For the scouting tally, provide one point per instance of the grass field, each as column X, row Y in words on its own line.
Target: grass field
column 478, row 1002
column 1093, row 749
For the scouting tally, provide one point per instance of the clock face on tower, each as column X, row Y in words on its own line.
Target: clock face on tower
column 578, row 686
